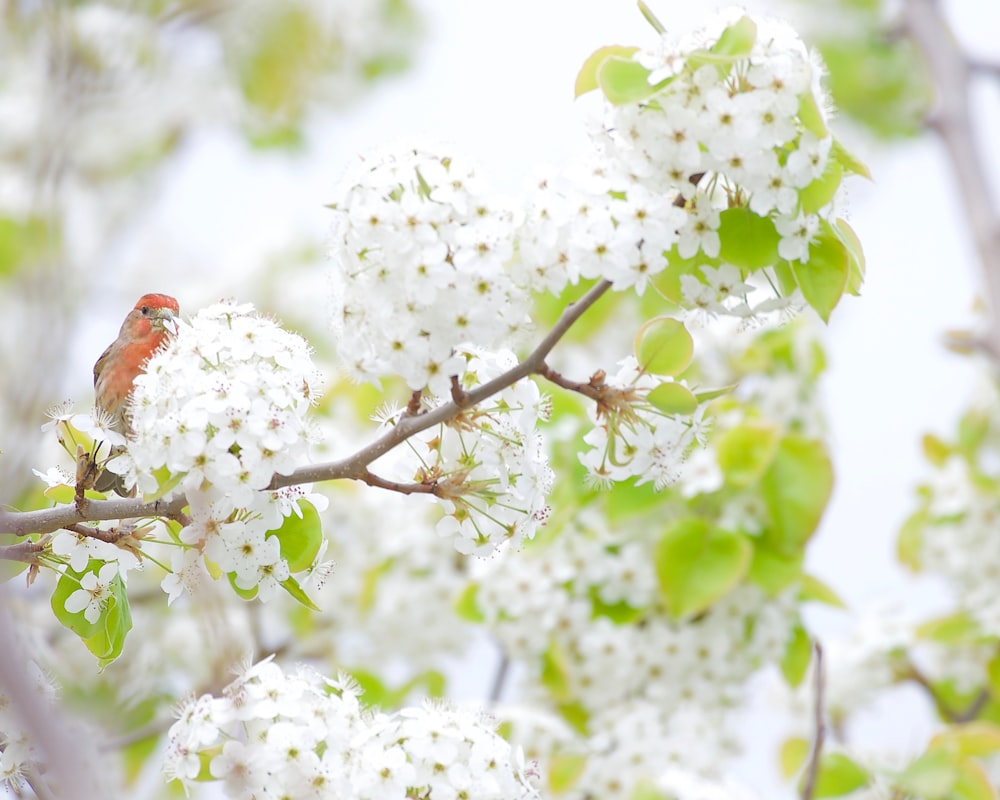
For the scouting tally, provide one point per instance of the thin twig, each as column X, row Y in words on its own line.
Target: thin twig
column 949, row 714
column 393, row 486
column 354, row 467
column 593, row 388
column 819, row 722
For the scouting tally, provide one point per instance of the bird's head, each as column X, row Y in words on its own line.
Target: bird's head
column 158, row 309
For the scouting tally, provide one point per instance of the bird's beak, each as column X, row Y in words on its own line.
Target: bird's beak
column 162, row 318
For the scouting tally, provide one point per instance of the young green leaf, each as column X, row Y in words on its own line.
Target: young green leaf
column 823, row 277
column 746, row 451
column 300, row 538
column 586, row 78
column 697, row 564
column 747, row 240
column 672, row 398
column 624, row 81
column 796, row 489
column 663, row 346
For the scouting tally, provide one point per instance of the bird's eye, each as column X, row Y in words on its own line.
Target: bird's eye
column 145, row 310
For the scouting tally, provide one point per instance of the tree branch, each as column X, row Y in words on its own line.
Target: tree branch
column 819, row 722
column 26, row 551
column 926, row 25
column 949, row 714
column 354, row 467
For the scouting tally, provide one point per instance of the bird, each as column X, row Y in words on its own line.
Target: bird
column 142, row 333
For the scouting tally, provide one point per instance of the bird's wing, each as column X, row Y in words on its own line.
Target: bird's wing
column 99, row 366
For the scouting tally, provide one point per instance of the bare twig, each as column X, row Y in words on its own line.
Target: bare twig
column 925, row 23
column 354, row 467
column 819, row 722
column 951, row 715
column 458, row 394
column 393, row 486
column 593, row 388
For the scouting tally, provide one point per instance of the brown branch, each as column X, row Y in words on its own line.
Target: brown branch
column 593, row 388
column 819, row 722
column 458, row 395
column 949, row 714
column 924, row 22
column 403, row 488
column 354, row 467
column 26, row 551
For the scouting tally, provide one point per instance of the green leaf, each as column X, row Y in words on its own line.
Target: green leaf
column 823, row 277
column 848, row 160
column 668, row 282
column 663, row 346
column 555, row 673
column 697, row 564
column 710, row 394
column 466, row 606
column 856, row 270
column 796, row 488
column 246, row 594
column 973, row 429
column 565, row 770
column 884, row 84
column 957, row 628
column 798, row 654
column 291, row 586
column 300, row 537
column 910, row 542
column 747, row 240
column 620, row 613
column 772, row 571
column 734, row 44
column 839, row 775
column 746, row 451
column 586, row 78
column 646, row 789
column 576, row 716
column 814, row 590
column 738, row 39
column 793, row 755
column 624, row 81
column 811, row 115
column 973, row 782
column 822, row 190
column 105, row 637
column 672, row 398
column 971, row 739
column 931, row 776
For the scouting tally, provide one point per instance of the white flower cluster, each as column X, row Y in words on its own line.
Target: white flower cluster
column 638, row 440
column 489, row 464
column 302, row 735
column 420, row 259
column 582, row 617
column 958, row 539
column 392, row 599
column 594, row 599
column 237, row 540
column 223, row 404
column 740, row 124
column 599, row 223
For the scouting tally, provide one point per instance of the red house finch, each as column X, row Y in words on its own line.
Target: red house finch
column 142, row 332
